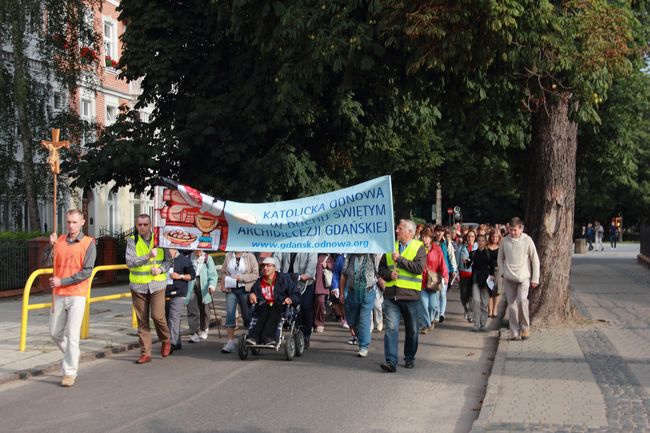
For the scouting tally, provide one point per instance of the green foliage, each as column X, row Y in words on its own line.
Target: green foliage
column 20, row 236
column 613, row 157
column 266, row 100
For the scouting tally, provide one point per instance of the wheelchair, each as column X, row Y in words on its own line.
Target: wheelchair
column 288, row 336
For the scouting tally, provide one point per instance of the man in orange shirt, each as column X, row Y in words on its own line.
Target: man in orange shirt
column 72, row 257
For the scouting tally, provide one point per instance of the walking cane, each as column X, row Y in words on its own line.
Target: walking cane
column 216, row 318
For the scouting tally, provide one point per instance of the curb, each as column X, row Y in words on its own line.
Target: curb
column 84, row 357
column 493, row 389
column 55, row 366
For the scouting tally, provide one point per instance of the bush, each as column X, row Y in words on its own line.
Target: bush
column 20, row 236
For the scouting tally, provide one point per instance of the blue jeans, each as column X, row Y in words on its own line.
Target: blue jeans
column 410, row 311
column 430, row 307
column 359, row 317
column 234, row 297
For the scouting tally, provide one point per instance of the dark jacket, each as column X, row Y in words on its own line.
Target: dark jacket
column 415, row 266
column 285, row 287
column 483, row 265
column 182, row 265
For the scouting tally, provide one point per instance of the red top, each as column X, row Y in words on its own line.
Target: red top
column 435, row 262
column 267, row 289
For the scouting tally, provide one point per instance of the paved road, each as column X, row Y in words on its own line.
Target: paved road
column 329, row 389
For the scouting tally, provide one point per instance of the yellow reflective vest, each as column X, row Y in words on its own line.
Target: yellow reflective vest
column 142, row 274
column 405, row 279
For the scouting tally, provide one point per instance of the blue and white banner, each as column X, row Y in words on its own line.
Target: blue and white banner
column 358, row 219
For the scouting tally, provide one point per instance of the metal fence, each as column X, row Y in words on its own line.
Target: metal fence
column 645, row 240
column 14, row 264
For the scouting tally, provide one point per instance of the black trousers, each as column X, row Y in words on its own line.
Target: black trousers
column 465, row 285
column 268, row 318
column 307, row 310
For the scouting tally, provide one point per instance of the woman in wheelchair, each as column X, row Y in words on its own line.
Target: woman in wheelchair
column 270, row 294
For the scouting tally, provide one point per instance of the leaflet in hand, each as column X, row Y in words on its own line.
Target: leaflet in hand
column 230, row 282
column 490, row 282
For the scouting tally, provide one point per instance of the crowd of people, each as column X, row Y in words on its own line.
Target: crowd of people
column 364, row 292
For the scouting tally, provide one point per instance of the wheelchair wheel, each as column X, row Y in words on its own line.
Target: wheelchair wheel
column 299, row 338
column 289, row 348
column 242, row 350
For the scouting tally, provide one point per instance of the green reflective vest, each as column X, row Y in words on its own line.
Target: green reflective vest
column 142, row 274
column 405, row 279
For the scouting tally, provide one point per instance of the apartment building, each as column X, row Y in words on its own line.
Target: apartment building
column 106, row 211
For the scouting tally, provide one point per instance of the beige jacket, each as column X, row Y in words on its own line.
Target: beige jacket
column 251, row 275
column 518, row 260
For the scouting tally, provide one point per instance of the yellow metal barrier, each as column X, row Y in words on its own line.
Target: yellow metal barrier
column 85, row 325
column 27, row 307
column 86, row 321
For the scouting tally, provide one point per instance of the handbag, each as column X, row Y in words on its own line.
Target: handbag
column 433, row 280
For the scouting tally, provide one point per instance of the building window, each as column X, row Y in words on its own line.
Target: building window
column 144, row 116
column 112, row 212
column 57, row 102
column 111, row 114
column 86, row 108
column 110, row 39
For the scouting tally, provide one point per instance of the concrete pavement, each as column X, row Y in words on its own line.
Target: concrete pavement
column 593, row 377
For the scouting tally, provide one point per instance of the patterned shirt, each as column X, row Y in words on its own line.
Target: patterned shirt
column 132, row 260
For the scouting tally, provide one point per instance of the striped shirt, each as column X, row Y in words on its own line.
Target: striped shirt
column 132, row 260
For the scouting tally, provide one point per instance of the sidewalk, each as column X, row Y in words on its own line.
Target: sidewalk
column 589, row 378
column 110, row 332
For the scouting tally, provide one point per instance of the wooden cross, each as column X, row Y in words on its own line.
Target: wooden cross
column 54, row 146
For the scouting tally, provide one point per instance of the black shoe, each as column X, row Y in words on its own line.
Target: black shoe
column 270, row 341
column 409, row 364
column 442, row 319
column 175, row 347
column 388, row 367
column 306, row 343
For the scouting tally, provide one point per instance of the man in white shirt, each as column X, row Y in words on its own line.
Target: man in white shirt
column 519, row 265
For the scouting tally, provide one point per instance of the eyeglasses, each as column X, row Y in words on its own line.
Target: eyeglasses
column 144, row 224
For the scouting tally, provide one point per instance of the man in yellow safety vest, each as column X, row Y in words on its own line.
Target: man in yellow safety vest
column 402, row 271
column 148, row 267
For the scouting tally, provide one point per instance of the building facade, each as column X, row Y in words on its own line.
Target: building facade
column 107, row 211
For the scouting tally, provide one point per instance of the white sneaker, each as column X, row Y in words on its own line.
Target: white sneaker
column 203, row 334
column 380, row 327
column 194, row 338
column 344, row 324
column 363, row 352
column 320, row 329
column 229, row 347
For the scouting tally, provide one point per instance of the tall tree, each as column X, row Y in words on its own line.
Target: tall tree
column 552, row 58
column 47, row 41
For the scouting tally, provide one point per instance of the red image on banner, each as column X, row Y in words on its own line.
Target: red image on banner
column 188, row 219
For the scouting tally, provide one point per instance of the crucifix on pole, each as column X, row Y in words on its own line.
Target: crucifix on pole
column 54, row 146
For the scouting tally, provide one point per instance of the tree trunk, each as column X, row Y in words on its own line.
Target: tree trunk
column 550, row 208
column 22, row 98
